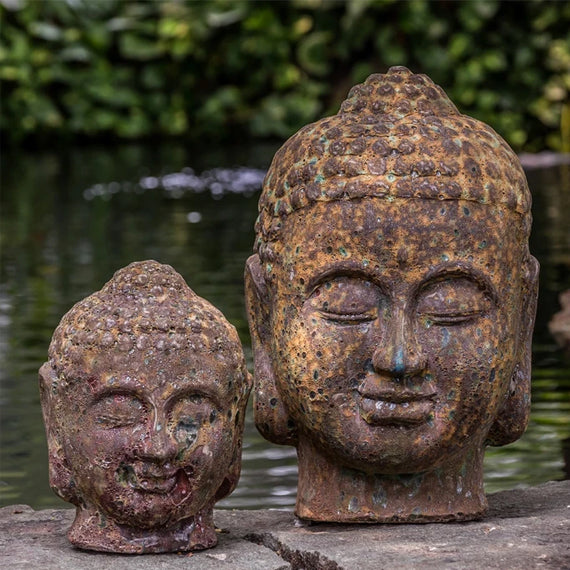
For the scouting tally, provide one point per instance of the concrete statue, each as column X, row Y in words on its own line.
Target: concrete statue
column 391, row 301
column 143, row 396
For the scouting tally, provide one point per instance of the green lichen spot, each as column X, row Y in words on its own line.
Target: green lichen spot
column 483, row 244
column 342, row 251
column 379, row 498
column 353, row 505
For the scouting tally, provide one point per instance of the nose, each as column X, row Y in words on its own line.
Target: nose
column 157, row 445
column 398, row 353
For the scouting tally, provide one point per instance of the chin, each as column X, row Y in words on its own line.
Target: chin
column 391, row 449
column 145, row 510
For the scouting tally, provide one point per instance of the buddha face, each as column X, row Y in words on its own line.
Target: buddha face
column 395, row 327
column 150, row 442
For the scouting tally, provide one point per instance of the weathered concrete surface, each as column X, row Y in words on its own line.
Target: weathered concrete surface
column 37, row 539
column 525, row 529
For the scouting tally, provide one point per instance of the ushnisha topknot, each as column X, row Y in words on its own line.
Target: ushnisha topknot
column 397, row 135
column 148, row 307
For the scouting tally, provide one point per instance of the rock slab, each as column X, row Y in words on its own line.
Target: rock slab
column 524, row 529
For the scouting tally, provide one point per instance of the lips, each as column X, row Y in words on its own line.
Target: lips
column 150, row 480
column 160, row 485
column 396, row 408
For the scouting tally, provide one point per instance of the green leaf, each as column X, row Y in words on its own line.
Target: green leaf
column 133, row 46
column 312, row 52
column 46, row 31
column 75, row 53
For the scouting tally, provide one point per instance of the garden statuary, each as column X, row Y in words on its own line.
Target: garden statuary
column 143, row 398
column 391, row 302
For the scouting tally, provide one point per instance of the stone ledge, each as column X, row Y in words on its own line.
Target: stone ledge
column 525, row 529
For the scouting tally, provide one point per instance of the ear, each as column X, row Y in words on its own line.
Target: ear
column 231, row 480
column 270, row 412
column 512, row 418
column 59, row 471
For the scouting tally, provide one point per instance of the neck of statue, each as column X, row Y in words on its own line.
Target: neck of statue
column 328, row 492
column 92, row 530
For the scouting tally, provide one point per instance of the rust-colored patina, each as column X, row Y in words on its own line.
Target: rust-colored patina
column 391, row 303
column 143, row 398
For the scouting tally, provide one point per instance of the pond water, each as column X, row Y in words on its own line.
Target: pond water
column 70, row 218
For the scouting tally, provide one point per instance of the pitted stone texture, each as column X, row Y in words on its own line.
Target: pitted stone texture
column 144, row 397
column 391, row 304
column 147, row 306
column 397, row 135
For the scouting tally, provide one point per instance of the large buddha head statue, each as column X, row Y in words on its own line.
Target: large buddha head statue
column 143, row 398
column 391, row 301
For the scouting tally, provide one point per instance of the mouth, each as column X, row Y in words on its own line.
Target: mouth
column 156, row 482
column 396, row 408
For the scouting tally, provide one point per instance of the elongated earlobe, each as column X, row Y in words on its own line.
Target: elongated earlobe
column 512, row 418
column 230, row 481
column 271, row 415
column 59, row 473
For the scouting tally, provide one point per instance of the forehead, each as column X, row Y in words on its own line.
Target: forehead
column 146, row 371
column 401, row 235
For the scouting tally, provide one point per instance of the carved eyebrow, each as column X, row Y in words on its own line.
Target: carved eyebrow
column 211, row 382
column 346, row 269
column 198, row 389
column 110, row 391
column 459, row 270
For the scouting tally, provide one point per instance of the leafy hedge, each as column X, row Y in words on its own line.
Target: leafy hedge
column 236, row 69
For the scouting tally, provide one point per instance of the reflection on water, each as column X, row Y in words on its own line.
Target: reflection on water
column 70, row 219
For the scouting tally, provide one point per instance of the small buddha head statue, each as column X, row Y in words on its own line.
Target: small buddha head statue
column 143, row 397
column 391, row 301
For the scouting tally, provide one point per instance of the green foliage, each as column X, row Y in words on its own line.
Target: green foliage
column 226, row 68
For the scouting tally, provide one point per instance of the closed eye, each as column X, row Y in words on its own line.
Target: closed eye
column 454, row 300
column 118, row 410
column 349, row 318
column 346, row 300
column 452, row 318
column 116, row 420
